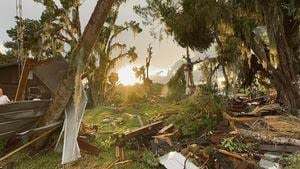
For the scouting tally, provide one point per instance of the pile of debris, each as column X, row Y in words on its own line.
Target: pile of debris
column 255, row 133
column 260, row 134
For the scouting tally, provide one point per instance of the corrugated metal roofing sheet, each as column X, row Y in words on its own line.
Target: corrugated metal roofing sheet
column 20, row 116
column 175, row 160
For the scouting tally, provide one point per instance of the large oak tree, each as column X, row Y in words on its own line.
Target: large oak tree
column 79, row 56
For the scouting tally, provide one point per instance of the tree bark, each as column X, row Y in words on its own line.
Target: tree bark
column 284, row 77
column 79, row 57
column 226, row 79
column 98, row 86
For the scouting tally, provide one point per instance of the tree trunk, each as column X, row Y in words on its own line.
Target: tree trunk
column 226, row 79
column 285, row 76
column 79, row 57
column 212, row 73
column 98, row 84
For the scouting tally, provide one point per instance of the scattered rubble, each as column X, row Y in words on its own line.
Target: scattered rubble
column 250, row 131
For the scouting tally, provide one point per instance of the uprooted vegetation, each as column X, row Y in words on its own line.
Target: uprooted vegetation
column 202, row 112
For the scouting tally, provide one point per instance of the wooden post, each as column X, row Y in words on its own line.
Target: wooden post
column 29, row 64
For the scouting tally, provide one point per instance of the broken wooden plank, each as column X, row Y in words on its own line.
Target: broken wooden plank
column 87, row 147
column 239, row 119
column 257, row 99
column 166, row 129
column 111, row 164
column 120, row 154
column 232, row 154
column 126, row 162
column 153, row 127
column 279, row 148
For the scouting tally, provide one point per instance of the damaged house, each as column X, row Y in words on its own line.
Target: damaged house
column 19, row 119
column 10, row 75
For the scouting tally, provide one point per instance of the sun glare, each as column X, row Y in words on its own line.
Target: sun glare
column 127, row 76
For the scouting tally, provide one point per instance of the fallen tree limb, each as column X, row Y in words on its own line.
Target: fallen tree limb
column 111, row 164
column 79, row 57
column 261, row 137
column 231, row 154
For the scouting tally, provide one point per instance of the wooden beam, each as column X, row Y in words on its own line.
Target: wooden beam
column 239, row 119
column 87, row 147
column 29, row 64
column 279, row 148
column 153, row 127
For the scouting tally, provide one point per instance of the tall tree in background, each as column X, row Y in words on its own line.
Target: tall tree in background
column 236, row 21
column 32, row 33
column 108, row 53
column 61, row 27
column 7, row 58
column 193, row 24
column 58, row 29
column 148, row 60
column 139, row 72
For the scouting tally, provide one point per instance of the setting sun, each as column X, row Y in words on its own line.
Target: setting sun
column 127, row 76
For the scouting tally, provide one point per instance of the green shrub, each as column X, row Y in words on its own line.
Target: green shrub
column 233, row 145
column 177, row 85
column 203, row 111
column 294, row 161
column 133, row 98
column 150, row 159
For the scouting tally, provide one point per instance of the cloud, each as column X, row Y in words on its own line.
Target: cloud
column 2, row 48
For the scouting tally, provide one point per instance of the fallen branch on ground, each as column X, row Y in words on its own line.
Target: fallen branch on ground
column 261, row 137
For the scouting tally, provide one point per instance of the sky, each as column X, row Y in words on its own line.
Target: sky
column 165, row 53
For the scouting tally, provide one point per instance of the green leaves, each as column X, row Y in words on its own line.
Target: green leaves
column 233, row 145
column 139, row 72
column 134, row 27
column 131, row 54
column 31, row 33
